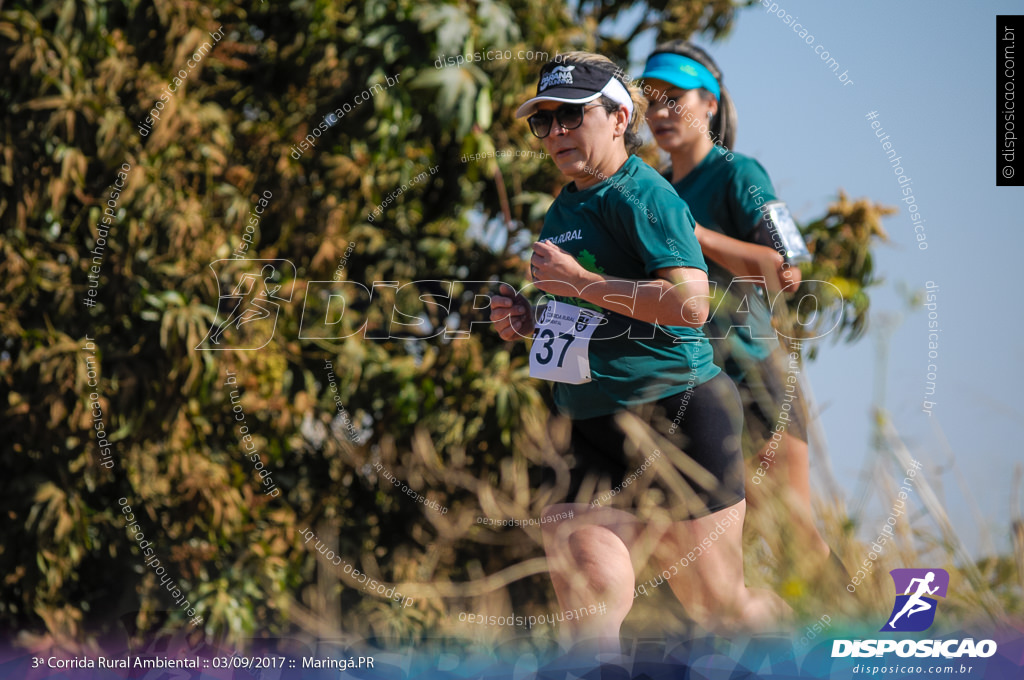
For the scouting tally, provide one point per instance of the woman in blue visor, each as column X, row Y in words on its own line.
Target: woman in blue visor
column 753, row 248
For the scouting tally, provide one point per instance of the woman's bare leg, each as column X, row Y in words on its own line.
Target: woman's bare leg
column 787, row 478
column 591, row 561
column 705, row 559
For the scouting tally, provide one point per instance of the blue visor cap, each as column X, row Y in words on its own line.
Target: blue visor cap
column 682, row 72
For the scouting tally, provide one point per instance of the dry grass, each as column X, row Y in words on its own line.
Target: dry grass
column 985, row 592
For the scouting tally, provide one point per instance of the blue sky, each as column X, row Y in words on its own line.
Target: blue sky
column 928, row 70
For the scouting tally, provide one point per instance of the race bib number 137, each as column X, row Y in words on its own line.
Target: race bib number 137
column 561, row 343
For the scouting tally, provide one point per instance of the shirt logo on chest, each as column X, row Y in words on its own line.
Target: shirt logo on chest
column 573, row 235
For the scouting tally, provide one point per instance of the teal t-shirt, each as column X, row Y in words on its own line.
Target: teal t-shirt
column 627, row 226
column 724, row 195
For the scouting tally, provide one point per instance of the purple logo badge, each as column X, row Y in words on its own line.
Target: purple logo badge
column 916, row 589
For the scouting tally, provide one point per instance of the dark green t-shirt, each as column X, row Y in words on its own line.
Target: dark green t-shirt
column 724, row 195
column 628, row 226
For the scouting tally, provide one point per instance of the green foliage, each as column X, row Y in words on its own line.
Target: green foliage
column 457, row 421
column 834, row 300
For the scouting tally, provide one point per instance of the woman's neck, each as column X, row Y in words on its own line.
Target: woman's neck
column 603, row 169
column 687, row 156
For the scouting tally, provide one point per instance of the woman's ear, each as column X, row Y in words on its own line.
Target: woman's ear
column 621, row 121
column 713, row 106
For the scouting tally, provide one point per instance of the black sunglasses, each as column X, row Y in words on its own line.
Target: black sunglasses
column 569, row 116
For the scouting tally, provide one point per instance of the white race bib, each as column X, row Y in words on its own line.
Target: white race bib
column 792, row 241
column 561, row 343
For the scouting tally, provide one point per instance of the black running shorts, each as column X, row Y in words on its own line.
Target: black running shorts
column 704, row 422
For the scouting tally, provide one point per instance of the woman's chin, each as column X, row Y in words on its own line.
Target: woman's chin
column 668, row 140
column 572, row 167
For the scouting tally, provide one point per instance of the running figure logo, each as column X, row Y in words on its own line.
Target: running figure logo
column 252, row 302
column 914, row 610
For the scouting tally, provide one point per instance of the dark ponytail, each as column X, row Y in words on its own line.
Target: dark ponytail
column 723, row 125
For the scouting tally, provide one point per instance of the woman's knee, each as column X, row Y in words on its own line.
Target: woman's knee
column 591, row 542
column 596, row 560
